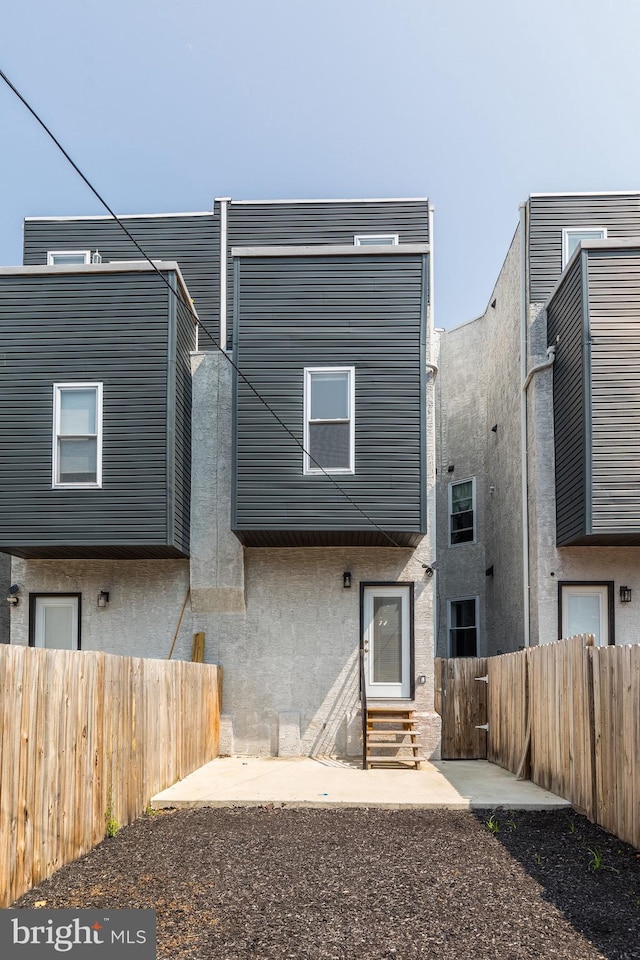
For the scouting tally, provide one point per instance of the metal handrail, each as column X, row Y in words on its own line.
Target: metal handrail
column 363, row 706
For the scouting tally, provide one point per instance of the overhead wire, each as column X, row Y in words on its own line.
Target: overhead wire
column 193, row 314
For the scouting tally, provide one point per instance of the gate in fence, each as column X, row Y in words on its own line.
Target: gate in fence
column 565, row 715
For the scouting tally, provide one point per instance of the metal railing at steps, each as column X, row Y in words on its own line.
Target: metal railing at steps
column 363, row 707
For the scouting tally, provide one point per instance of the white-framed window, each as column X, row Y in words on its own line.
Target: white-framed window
column 463, row 623
column 77, row 435
column 571, row 237
column 67, row 258
column 462, row 511
column 376, row 239
column 329, row 421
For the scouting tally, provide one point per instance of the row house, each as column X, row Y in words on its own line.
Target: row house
column 236, row 438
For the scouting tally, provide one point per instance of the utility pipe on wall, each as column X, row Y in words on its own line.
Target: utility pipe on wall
column 525, row 379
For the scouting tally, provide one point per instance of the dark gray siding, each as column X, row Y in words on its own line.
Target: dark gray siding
column 565, row 329
column 5, row 573
column 614, row 314
column 185, row 342
column 548, row 215
column 193, row 240
column 111, row 328
column 335, row 222
column 366, row 312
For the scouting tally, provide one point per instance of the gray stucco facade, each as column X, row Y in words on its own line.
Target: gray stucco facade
column 479, row 438
column 484, row 365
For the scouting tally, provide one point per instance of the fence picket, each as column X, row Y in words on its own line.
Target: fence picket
column 74, row 725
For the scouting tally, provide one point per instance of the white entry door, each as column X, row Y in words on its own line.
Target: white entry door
column 387, row 641
column 585, row 610
column 56, row 622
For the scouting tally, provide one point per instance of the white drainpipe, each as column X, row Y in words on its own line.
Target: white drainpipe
column 525, row 379
column 524, row 459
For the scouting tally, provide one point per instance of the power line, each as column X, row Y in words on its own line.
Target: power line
column 196, row 319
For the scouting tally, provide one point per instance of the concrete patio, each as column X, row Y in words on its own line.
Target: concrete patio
column 327, row 782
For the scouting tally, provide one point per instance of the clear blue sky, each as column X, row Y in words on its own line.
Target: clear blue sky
column 166, row 105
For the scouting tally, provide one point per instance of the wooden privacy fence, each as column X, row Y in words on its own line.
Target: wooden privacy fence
column 566, row 715
column 86, row 736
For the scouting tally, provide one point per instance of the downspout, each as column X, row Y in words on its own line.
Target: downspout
column 551, row 356
column 524, row 459
column 525, row 379
column 223, row 201
column 431, row 428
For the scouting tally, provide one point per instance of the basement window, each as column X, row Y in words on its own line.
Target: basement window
column 329, row 427
column 77, row 435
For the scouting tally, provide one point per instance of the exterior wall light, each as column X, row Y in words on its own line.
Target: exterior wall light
column 103, row 598
column 346, row 580
column 12, row 599
column 625, row 594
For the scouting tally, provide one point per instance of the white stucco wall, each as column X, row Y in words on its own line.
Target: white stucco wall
column 145, row 600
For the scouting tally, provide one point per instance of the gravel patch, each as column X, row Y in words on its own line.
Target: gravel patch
column 271, row 883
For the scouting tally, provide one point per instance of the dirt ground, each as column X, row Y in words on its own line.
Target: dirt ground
column 366, row 885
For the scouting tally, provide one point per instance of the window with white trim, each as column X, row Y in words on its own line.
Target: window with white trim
column 77, row 435
column 571, row 237
column 463, row 620
column 376, row 239
column 67, row 258
column 329, row 427
column 462, row 511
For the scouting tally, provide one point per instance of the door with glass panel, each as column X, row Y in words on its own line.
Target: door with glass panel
column 56, row 621
column 386, row 636
column 585, row 609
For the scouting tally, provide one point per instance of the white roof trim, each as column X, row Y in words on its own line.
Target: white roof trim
column 115, row 267
column 344, row 200
column 127, row 216
column 589, row 193
column 332, row 250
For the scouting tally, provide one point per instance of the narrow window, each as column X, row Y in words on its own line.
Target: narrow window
column 376, row 239
column 68, row 258
column 329, row 420
column 572, row 236
column 77, row 435
column 463, row 627
column 462, row 498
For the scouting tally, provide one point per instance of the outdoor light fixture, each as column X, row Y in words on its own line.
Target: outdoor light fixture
column 12, row 598
column 103, row 598
column 625, row 594
column 346, row 580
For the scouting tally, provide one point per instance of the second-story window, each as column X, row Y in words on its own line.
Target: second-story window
column 68, row 258
column 462, row 497
column 571, row 237
column 329, row 419
column 77, row 435
column 376, row 239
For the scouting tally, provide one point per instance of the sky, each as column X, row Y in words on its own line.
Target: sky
column 166, row 105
